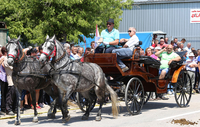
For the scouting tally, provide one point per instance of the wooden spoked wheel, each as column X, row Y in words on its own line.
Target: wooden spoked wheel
column 183, row 89
column 134, row 96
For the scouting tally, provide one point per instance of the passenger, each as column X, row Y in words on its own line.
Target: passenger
column 127, row 49
column 167, row 56
column 109, row 37
column 148, row 52
column 142, row 52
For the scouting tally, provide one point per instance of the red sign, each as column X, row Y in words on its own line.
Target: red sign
column 194, row 15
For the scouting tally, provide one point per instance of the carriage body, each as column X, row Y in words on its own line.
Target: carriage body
column 144, row 70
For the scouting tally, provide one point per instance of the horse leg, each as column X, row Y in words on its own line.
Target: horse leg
column 35, row 118
column 89, row 99
column 52, row 110
column 98, row 117
column 18, row 95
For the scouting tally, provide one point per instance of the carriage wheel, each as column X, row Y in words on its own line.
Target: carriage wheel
column 183, row 89
column 83, row 103
column 146, row 97
column 134, row 96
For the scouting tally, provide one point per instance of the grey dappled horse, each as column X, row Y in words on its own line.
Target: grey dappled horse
column 27, row 75
column 71, row 77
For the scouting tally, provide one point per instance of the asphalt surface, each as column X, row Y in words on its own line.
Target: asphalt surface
column 158, row 113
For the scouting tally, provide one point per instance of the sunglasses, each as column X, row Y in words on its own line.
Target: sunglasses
column 109, row 24
column 129, row 31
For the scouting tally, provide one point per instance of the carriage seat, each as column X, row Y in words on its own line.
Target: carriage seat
column 175, row 64
column 147, row 60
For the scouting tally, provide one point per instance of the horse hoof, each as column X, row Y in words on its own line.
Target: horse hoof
column 35, row 119
column 84, row 117
column 66, row 119
column 18, row 122
column 51, row 116
column 98, row 118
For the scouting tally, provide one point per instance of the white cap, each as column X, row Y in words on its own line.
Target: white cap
column 158, row 48
column 30, row 47
column 191, row 54
column 151, row 47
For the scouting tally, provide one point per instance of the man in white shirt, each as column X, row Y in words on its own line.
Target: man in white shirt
column 188, row 48
column 127, row 49
column 74, row 54
column 191, row 67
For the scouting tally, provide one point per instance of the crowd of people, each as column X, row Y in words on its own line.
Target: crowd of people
column 161, row 49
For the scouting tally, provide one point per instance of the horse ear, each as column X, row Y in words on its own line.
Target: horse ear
column 47, row 37
column 54, row 36
column 18, row 38
column 9, row 39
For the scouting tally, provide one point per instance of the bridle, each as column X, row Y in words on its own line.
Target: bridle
column 18, row 53
column 53, row 54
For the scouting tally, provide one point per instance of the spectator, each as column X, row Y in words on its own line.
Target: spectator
column 109, row 37
column 180, row 49
column 66, row 46
column 162, row 44
column 154, row 38
column 191, row 67
column 166, row 40
column 188, row 48
column 127, row 49
column 3, row 81
column 87, row 51
column 183, row 40
column 172, row 43
column 11, row 103
column 73, row 54
column 155, row 43
column 197, row 75
column 192, row 48
column 92, row 46
column 176, row 49
column 80, row 52
column 175, row 41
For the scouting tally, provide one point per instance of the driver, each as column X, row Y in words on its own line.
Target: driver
column 167, row 56
column 109, row 37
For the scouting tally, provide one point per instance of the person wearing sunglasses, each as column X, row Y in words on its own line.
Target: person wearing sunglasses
column 167, row 56
column 127, row 49
column 109, row 37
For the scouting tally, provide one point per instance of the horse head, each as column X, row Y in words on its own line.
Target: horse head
column 14, row 50
column 49, row 49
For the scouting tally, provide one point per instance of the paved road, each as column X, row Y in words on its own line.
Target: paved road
column 154, row 114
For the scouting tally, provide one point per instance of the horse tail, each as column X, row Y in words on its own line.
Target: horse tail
column 115, row 107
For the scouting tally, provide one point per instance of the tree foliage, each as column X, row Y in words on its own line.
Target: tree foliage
column 67, row 19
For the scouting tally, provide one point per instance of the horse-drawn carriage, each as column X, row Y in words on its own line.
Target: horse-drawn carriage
column 143, row 78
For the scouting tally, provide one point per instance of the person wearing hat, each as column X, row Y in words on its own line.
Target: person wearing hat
column 109, row 37
column 191, row 67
